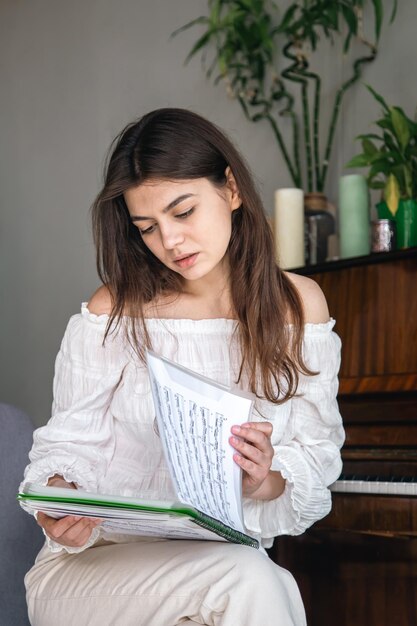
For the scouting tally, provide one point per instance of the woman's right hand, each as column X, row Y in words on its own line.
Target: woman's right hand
column 71, row 531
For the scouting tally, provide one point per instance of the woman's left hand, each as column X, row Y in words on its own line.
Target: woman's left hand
column 254, row 454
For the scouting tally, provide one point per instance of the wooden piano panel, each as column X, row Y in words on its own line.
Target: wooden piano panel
column 385, row 516
column 375, row 307
column 349, row 579
column 358, row 566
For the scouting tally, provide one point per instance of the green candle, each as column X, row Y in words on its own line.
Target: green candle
column 354, row 227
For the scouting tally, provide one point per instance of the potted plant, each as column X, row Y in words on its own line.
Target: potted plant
column 264, row 61
column 391, row 156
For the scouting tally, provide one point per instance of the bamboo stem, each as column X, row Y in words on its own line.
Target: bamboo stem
column 293, row 73
column 289, row 111
column 307, row 140
column 316, row 121
column 295, row 175
column 357, row 73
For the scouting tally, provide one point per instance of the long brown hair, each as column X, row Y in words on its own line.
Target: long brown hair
column 176, row 144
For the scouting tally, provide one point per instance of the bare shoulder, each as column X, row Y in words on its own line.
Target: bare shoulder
column 315, row 306
column 100, row 302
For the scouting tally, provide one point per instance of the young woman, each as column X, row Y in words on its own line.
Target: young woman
column 186, row 258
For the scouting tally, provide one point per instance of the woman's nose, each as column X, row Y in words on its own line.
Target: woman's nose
column 172, row 236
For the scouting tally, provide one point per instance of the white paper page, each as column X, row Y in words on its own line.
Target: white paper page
column 175, row 528
column 60, row 509
column 80, row 494
column 195, row 416
column 142, row 523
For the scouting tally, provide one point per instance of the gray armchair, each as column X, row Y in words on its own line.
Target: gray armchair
column 20, row 536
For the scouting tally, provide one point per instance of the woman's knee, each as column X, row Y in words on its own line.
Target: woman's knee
column 256, row 569
column 251, row 586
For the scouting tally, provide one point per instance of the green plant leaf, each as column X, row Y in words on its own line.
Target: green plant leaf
column 400, row 124
column 198, row 20
column 350, row 18
column 369, row 147
column 287, row 19
column 392, row 194
column 369, row 136
column 385, row 123
column 379, row 98
column 394, row 12
column 346, row 44
column 380, row 167
column 387, row 156
column 389, row 141
column 379, row 15
column 200, row 43
column 400, row 111
column 360, row 160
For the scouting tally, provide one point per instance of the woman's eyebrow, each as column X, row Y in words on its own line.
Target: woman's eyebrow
column 171, row 205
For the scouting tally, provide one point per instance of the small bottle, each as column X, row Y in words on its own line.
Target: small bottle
column 383, row 235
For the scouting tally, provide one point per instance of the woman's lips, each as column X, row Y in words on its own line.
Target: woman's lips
column 186, row 261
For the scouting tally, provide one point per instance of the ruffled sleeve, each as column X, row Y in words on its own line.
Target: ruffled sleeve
column 77, row 442
column 307, row 450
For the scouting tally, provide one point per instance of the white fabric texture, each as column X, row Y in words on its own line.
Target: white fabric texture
column 101, row 434
column 162, row 583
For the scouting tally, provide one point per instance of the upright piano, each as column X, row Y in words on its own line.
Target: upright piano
column 358, row 566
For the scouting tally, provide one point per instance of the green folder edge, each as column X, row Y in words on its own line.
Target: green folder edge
column 234, row 536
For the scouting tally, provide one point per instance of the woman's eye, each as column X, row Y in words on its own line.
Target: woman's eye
column 185, row 214
column 147, row 231
column 150, row 229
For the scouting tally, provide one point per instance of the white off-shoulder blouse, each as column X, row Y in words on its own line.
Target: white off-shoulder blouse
column 101, row 434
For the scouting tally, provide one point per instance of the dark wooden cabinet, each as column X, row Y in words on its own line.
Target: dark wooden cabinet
column 375, row 306
column 349, row 579
column 358, row 566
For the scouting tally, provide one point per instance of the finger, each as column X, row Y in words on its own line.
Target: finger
column 48, row 523
column 255, row 436
column 254, row 472
column 265, row 427
column 57, row 528
column 42, row 518
column 252, row 453
column 79, row 532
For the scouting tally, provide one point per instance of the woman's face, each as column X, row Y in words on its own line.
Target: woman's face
column 185, row 223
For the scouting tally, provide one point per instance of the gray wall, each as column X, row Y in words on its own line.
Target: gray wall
column 72, row 75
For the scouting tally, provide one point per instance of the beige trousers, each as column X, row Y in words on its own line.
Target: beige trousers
column 162, row 583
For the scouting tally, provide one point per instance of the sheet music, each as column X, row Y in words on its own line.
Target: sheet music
column 195, row 416
column 146, row 523
column 174, row 528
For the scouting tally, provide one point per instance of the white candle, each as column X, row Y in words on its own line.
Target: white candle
column 289, row 227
